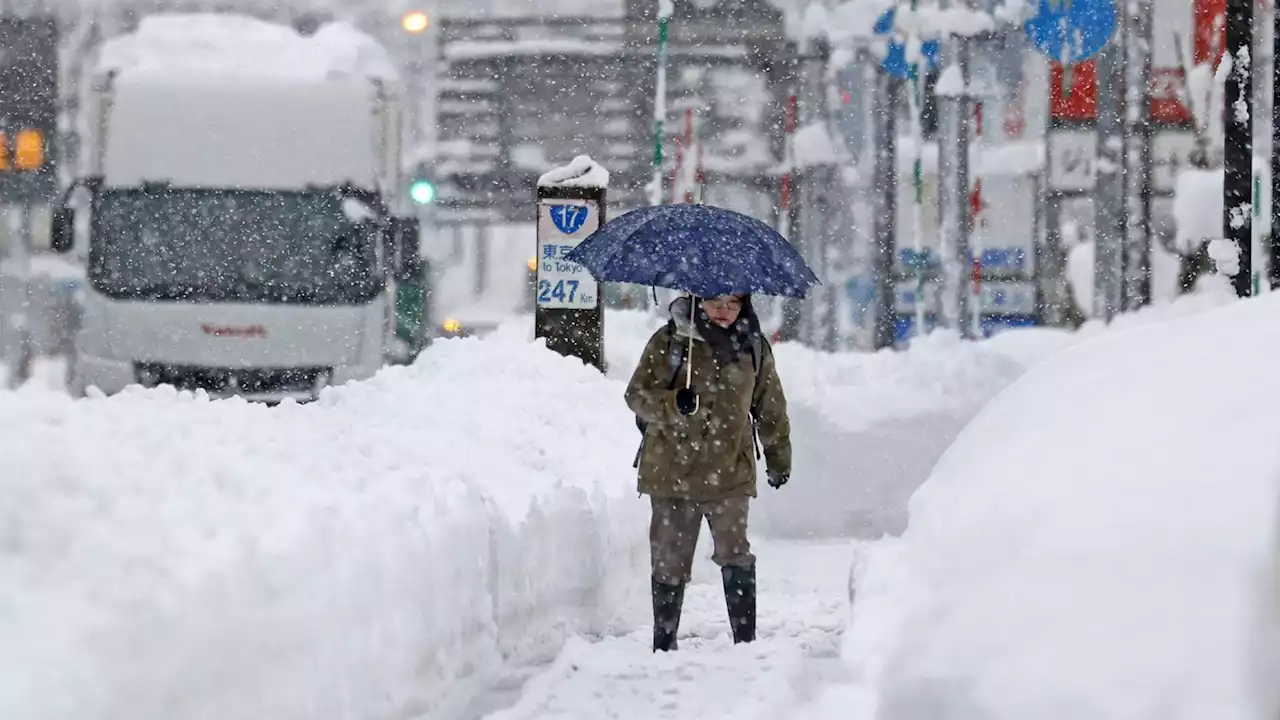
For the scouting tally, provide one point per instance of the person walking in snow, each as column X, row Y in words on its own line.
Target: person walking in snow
column 705, row 389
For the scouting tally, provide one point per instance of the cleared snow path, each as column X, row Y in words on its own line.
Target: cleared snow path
column 803, row 603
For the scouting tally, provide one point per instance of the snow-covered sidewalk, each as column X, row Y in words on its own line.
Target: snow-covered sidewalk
column 803, row 603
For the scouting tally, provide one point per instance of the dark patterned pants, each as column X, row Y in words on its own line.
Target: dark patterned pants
column 673, row 535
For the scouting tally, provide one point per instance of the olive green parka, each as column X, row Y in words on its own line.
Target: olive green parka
column 711, row 454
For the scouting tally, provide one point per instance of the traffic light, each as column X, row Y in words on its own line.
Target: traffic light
column 28, row 152
column 415, row 22
column 422, row 191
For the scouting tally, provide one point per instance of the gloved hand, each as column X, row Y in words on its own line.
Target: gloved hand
column 687, row 401
column 777, row 479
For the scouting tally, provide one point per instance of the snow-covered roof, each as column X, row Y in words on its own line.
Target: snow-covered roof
column 581, row 172
column 856, row 19
column 197, row 45
column 249, row 135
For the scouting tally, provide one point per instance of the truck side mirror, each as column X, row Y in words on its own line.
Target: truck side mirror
column 62, row 230
column 408, row 263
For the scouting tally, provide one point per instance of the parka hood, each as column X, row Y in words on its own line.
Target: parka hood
column 681, row 315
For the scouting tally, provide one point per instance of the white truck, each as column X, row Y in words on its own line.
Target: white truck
column 237, row 209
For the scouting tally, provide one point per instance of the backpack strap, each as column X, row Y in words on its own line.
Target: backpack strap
column 757, row 363
column 675, row 360
column 675, row 355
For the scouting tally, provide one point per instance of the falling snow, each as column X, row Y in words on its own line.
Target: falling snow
column 310, row 407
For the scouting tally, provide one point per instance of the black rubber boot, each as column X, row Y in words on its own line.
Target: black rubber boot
column 740, row 597
column 667, row 601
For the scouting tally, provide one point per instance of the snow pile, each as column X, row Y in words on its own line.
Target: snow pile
column 582, row 171
column 194, row 46
column 387, row 547
column 933, row 21
column 1225, row 255
column 1197, row 207
column 814, row 146
column 1099, row 542
column 951, row 83
column 1197, row 204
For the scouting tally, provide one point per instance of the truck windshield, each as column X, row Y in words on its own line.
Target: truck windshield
column 233, row 246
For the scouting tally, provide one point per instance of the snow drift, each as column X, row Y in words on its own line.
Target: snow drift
column 1098, row 543
column 166, row 556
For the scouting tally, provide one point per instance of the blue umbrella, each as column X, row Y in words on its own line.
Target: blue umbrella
column 704, row 250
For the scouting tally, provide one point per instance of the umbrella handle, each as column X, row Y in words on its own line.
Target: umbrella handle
column 688, row 365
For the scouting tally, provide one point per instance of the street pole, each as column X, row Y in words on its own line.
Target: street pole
column 1274, row 241
column 791, row 310
column 1238, row 142
column 886, row 173
column 1108, row 260
column 1136, row 28
column 656, row 191
column 955, row 114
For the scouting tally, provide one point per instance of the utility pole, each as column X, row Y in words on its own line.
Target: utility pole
column 1238, row 142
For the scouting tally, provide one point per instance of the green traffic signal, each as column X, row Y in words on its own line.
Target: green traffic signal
column 422, row 192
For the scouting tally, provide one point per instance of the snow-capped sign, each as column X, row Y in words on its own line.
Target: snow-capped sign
column 562, row 284
column 1072, row 31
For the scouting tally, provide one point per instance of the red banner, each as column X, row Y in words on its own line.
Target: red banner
column 1210, row 30
column 1080, row 104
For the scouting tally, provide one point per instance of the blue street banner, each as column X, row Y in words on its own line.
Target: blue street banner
column 1072, row 31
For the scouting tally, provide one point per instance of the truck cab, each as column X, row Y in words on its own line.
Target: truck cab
column 238, row 228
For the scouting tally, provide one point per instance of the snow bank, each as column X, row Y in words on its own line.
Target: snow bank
column 1099, row 542
column 200, row 46
column 383, row 549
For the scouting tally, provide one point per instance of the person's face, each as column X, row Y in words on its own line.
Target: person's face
column 723, row 310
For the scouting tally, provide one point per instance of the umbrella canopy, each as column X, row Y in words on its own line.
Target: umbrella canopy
column 704, row 250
